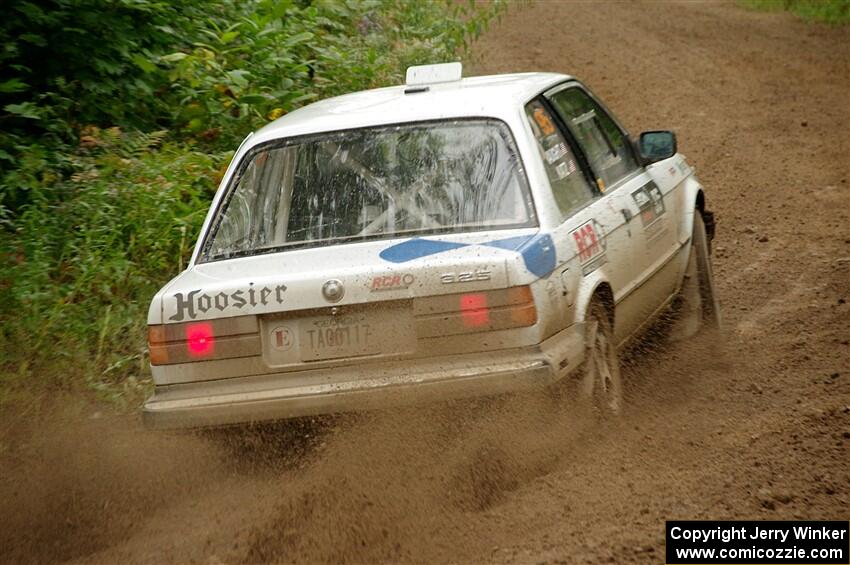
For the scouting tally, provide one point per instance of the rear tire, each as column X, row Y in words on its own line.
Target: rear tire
column 601, row 384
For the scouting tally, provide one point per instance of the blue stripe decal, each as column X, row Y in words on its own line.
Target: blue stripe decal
column 539, row 255
column 511, row 243
column 417, row 248
column 538, row 251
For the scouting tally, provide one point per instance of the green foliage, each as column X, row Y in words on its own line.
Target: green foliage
column 83, row 60
column 278, row 56
column 830, row 11
column 211, row 71
column 95, row 215
column 68, row 63
column 90, row 250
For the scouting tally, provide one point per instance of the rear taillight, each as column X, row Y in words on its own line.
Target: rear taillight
column 200, row 341
column 523, row 312
column 490, row 310
column 156, row 345
column 474, row 310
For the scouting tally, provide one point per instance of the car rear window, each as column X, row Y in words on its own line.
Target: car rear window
column 372, row 183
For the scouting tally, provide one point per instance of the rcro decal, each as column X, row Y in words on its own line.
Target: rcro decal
column 391, row 282
column 590, row 244
column 192, row 303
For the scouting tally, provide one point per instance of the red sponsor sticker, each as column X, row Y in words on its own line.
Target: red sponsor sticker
column 587, row 242
column 391, row 282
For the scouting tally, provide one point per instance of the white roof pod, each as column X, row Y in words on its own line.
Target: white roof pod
column 431, row 74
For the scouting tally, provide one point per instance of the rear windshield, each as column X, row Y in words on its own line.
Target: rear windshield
column 372, row 183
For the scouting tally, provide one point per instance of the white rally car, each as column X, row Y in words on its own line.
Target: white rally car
column 450, row 237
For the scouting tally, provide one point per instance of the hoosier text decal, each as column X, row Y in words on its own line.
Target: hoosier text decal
column 195, row 301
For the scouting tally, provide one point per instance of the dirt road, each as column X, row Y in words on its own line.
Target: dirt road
column 761, row 103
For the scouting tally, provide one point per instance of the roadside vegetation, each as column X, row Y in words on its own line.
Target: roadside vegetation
column 830, row 11
column 117, row 120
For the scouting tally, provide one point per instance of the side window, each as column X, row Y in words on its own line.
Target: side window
column 606, row 147
column 569, row 185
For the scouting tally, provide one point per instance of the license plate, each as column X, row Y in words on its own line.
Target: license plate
column 375, row 331
column 347, row 335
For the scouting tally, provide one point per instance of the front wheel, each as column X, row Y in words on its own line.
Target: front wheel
column 699, row 307
column 601, row 382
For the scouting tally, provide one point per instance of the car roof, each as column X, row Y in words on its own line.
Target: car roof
column 496, row 96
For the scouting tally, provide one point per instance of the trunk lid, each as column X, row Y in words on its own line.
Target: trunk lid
column 356, row 273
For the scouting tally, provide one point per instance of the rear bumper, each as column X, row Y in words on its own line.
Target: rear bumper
column 364, row 386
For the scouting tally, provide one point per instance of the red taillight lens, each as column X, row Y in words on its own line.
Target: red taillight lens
column 200, row 339
column 224, row 338
column 488, row 310
column 473, row 308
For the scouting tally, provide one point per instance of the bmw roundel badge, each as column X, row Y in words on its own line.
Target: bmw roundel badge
column 333, row 291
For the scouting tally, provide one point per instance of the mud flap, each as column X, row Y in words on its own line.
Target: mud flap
column 708, row 220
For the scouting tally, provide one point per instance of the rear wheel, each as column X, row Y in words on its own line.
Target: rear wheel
column 601, row 385
column 699, row 307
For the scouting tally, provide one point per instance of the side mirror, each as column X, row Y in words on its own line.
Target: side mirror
column 656, row 146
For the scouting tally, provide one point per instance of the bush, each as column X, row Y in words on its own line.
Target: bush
column 88, row 253
column 276, row 57
column 211, row 71
column 67, row 63
column 87, row 61
column 94, row 219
